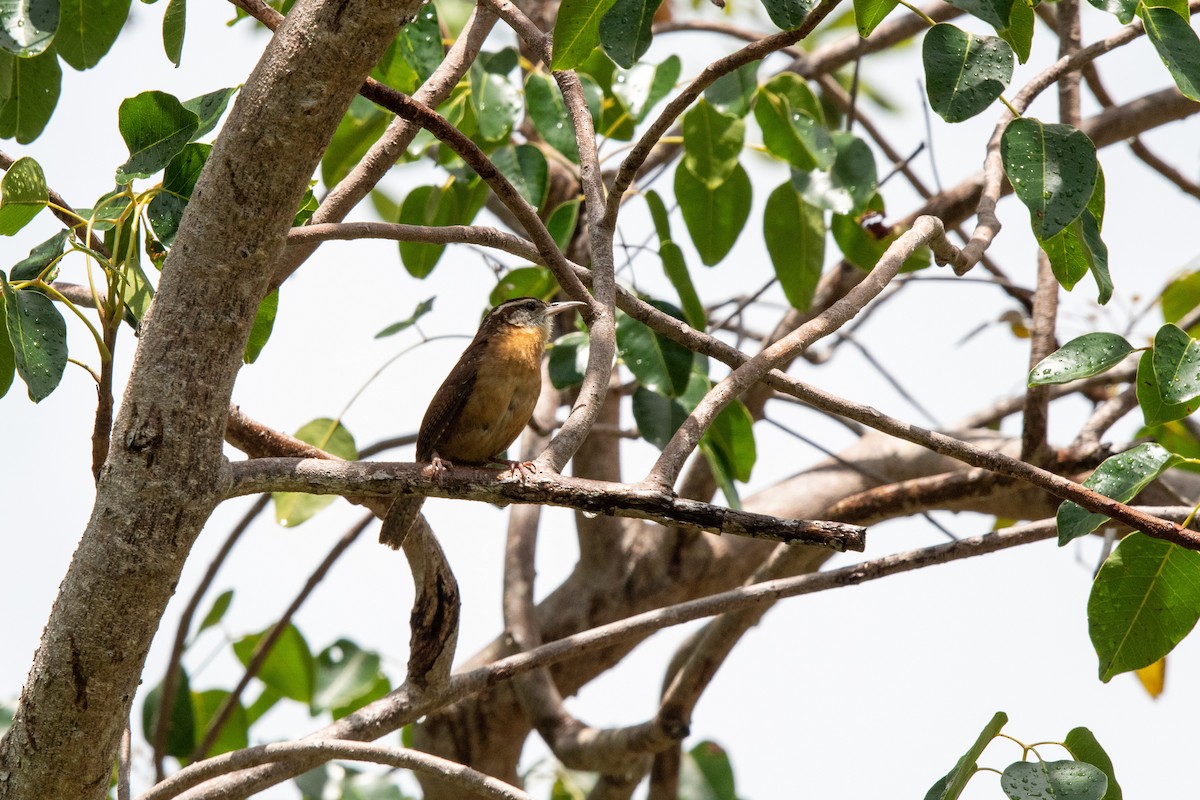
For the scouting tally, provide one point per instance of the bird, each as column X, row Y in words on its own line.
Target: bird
column 485, row 402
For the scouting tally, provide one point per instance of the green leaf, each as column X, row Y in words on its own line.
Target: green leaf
column 568, row 359
column 712, row 142
column 181, row 735
column 495, row 98
column 265, row 701
column 1053, row 170
column 625, row 30
column 363, row 123
column 289, row 669
column 953, row 783
column 179, row 180
column 423, row 308
column 34, row 88
column 788, row 14
column 658, row 417
column 659, row 364
column 414, row 54
column 217, row 612
column 234, row 734
column 577, row 31
column 1078, row 248
column 260, row 331
column 714, row 216
column 707, row 773
column 87, row 30
column 426, row 205
column 293, row 508
column 733, row 92
column 1180, row 296
column 23, row 194
column 39, row 339
column 1082, row 744
column 1124, row 10
column 643, row 86
column 1019, row 31
column 1120, row 477
column 562, row 222
column 994, row 12
column 732, row 435
column 174, row 26
column 1177, row 46
column 27, row 27
column 964, row 73
column 1176, row 365
column 209, row 108
column 869, row 13
column 40, row 257
column 1081, row 357
column 1145, row 600
column 792, row 123
column 155, row 127
column 1068, row 780
column 526, row 169
column 8, row 359
column 345, row 673
column 849, row 186
column 536, row 282
column 136, row 291
column 863, row 245
column 674, row 265
column 795, row 235
column 548, row 111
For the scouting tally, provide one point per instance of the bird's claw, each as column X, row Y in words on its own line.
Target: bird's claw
column 438, row 465
column 521, row 470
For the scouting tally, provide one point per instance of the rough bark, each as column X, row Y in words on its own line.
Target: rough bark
column 164, row 473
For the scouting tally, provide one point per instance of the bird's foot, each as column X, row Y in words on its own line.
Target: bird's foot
column 521, row 470
column 438, row 465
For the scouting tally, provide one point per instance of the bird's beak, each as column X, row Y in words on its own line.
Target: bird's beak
column 558, row 308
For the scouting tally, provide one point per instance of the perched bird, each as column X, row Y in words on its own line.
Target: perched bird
column 486, row 400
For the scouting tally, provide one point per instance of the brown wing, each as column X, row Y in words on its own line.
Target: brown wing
column 450, row 398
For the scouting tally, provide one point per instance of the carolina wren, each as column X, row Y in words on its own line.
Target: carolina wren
column 486, row 400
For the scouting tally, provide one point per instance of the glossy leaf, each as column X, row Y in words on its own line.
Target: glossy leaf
column 674, row 264
column 179, row 179
column 362, row 124
column 1068, row 780
column 994, row 12
column 869, row 13
column 1124, row 10
column 293, row 508
column 234, row 734
column 1082, row 357
column 706, row 772
column 712, row 142
column 181, row 735
column 788, row 14
column 260, row 331
column 526, row 169
column 568, row 359
column 548, row 111
column 795, row 236
column 658, row 416
column 849, row 186
column 643, row 86
column 1146, row 598
column 714, row 217
column 155, row 127
column 34, row 87
column 27, row 27
column 733, row 92
column 217, row 612
column 419, row 42
column 87, row 30
column 23, row 194
column 289, row 669
column 8, row 359
column 345, row 673
column 577, row 31
column 951, row 786
column 792, row 123
column 1177, row 46
column 1078, row 248
column 625, row 30
column 209, row 108
column 38, row 335
column 1180, row 296
column 562, row 222
column 136, row 291
column 536, row 282
column 1053, row 170
column 1120, row 477
column 964, row 73
column 1083, row 745
column 660, row 364
column 1176, row 365
column 495, row 97
column 1019, row 31
column 732, row 436
column 423, row 308
column 426, row 205
column 40, row 257
column 173, row 29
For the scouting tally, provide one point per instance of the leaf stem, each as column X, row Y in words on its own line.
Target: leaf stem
column 928, row 19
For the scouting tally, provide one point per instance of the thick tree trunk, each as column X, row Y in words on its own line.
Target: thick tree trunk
column 165, row 470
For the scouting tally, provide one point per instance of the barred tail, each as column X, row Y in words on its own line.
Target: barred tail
column 399, row 520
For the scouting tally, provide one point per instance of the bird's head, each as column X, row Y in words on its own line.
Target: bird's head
column 527, row 312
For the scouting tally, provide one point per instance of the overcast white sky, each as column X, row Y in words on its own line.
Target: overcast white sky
column 862, row 693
